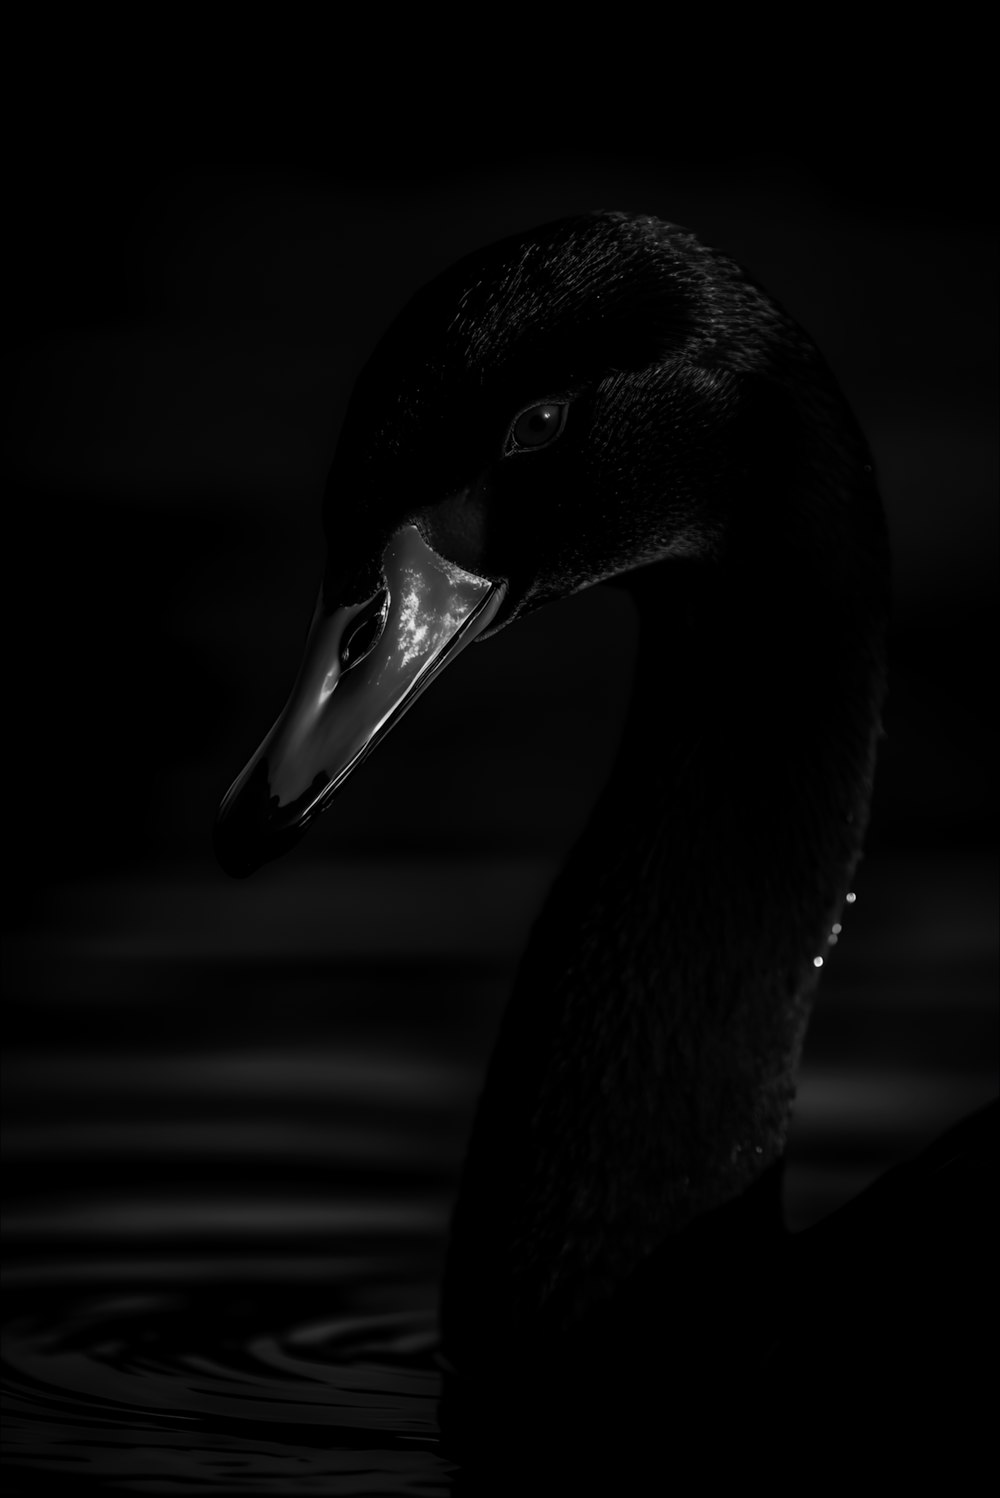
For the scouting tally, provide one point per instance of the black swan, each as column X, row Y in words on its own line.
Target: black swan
column 605, row 398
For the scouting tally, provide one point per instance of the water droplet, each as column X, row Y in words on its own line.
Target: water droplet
column 832, row 939
column 851, row 898
column 836, row 928
column 817, row 962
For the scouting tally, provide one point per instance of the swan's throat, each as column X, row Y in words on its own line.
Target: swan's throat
column 645, row 1067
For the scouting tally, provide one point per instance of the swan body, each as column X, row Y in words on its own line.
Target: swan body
column 604, row 398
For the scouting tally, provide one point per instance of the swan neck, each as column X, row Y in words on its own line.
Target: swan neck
column 644, row 1072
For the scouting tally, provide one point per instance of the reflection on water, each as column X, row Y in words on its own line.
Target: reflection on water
column 230, row 1168
column 244, row 1302
column 208, row 1388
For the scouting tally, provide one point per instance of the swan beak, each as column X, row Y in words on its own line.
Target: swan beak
column 365, row 664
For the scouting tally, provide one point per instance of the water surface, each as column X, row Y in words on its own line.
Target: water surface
column 234, row 1134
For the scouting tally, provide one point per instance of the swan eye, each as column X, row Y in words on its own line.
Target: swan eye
column 537, row 426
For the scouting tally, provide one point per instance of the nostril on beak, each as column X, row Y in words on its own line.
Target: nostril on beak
column 365, row 630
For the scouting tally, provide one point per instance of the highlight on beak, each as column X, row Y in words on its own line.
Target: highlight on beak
column 365, row 664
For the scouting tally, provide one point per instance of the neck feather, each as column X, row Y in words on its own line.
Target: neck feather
column 645, row 1068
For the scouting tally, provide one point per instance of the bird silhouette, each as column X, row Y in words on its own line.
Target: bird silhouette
column 606, row 399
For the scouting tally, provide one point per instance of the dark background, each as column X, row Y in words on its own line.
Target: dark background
column 192, row 299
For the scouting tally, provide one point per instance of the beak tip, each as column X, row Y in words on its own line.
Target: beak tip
column 240, row 855
column 232, row 858
column 245, row 837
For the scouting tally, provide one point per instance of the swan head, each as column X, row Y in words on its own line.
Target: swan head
column 567, row 406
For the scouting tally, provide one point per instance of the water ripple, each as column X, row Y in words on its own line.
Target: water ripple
column 166, row 1391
